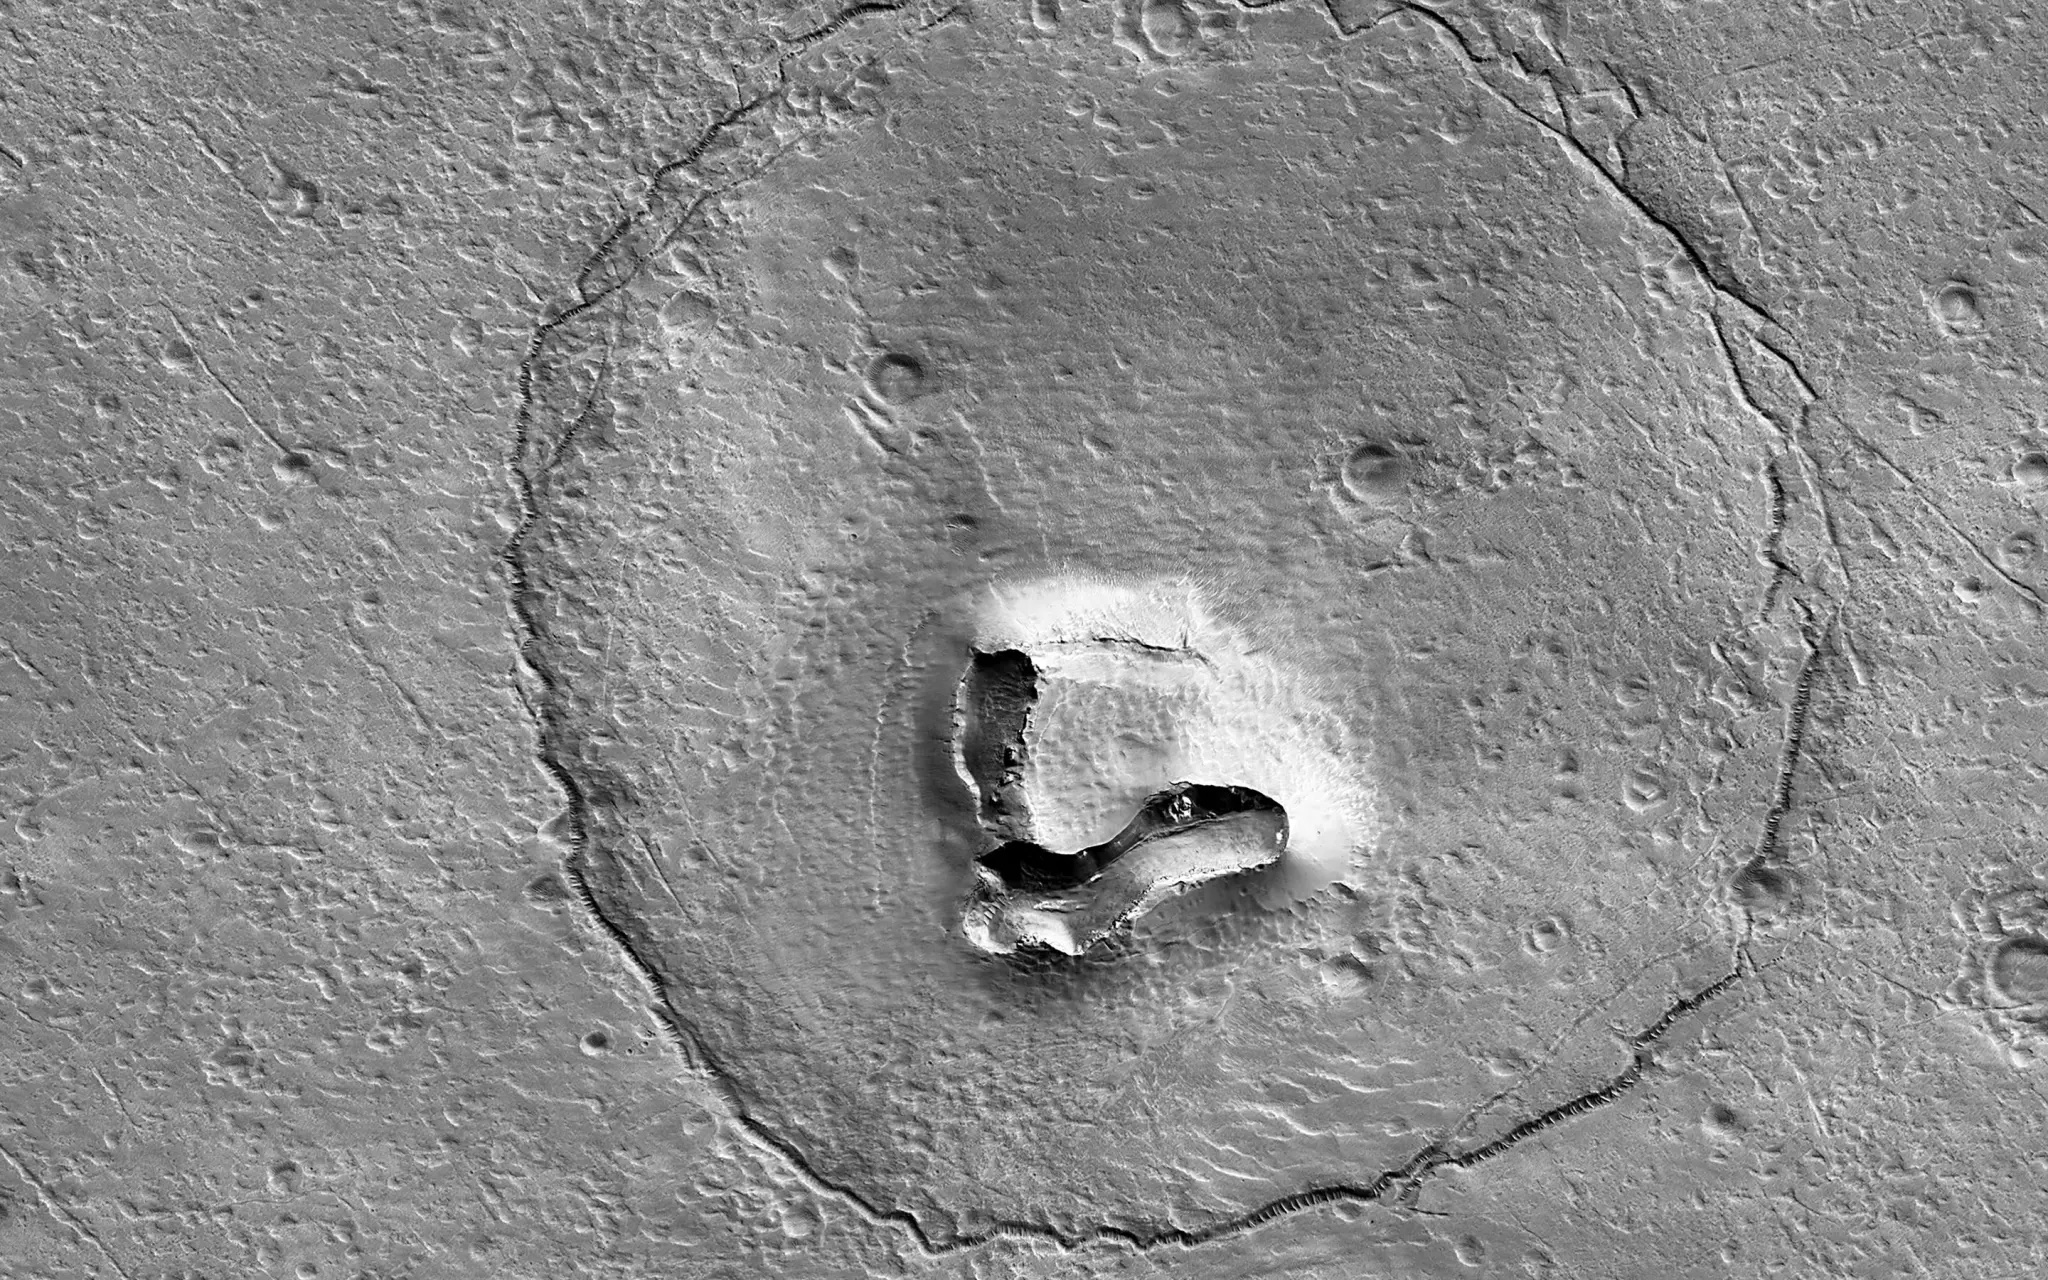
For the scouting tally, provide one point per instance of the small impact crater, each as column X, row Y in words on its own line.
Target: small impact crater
column 1377, row 474
column 896, row 378
column 1955, row 305
column 2019, row 973
column 2030, row 470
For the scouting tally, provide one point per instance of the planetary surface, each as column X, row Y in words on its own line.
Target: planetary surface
column 1023, row 638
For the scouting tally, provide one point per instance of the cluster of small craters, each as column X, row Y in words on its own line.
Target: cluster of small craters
column 1160, row 30
column 757, row 1198
column 2004, row 969
column 1156, row 28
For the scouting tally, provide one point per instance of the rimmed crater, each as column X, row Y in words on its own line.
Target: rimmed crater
column 2019, row 975
column 813, row 692
column 2003, row 974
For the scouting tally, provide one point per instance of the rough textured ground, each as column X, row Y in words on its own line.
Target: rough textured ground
column 489, row 499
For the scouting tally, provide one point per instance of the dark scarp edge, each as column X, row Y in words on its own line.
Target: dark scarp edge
column 597, row 257
column 529, row 475
column 688, row 158
column 579, row 889
column 1628, row 91
column 1777, row 351
column 1718, row 279
column 1135, row 1240
column 1556, row 1115
column 548, row 717
column 943, row 17
column 839, row 21
column 1796, row 715
column 624, row 273
column 1639, row 1065
column 1686, row 1007
column 1782, row 569
column 695, row 151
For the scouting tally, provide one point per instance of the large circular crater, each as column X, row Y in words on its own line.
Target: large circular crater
column 1078, row 772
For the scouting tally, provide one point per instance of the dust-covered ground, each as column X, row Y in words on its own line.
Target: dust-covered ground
column 511, row 510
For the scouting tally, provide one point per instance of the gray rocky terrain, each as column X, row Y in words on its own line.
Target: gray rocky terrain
column 1023, row 638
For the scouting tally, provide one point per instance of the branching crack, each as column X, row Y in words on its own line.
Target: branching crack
column 62, row 1212
column 839, row 22
column 2026, row 591
column 1717, row 277
column 1778, row 514
column 1394, row 1185
column 1765, row 326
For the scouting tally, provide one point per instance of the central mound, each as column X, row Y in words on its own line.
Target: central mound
column 1123, row 747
